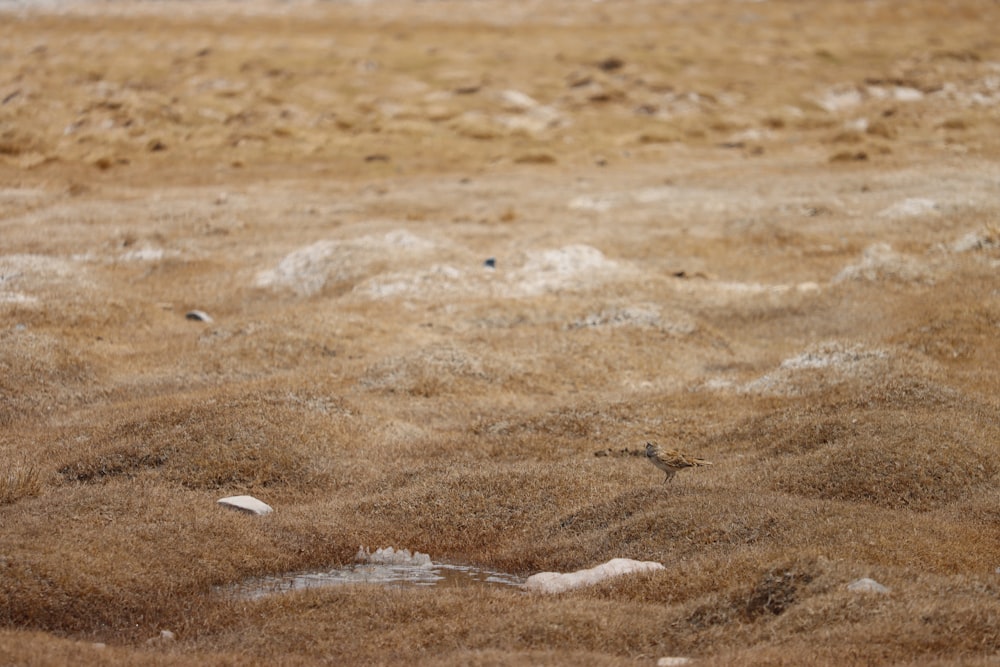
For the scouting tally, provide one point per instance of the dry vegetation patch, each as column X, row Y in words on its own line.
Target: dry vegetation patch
column 460, row 261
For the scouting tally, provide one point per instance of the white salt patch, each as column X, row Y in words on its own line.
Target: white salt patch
column 731, row 289
column 643, row 316
column 390, row 556
column 17, row 297
column 554, row 582
column 144, row 254
column 36, row 267
column 596, row 203
column 832, row 354
column 880, row 261
column 910, row 207
column 304, row 269
column 307, row 270
column 428, row 283
column 33, row 272
column 247, row 504
column 974, row 241
column 654, row 195
column 837, row 99
column 843, row 361
column 857, row 125
column 568, row 267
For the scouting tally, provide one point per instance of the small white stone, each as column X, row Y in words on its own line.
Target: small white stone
column 515, row 100
column 198, row 316
column 673, row 660
column 246, row 504
column 907, row 94
column 866, row 585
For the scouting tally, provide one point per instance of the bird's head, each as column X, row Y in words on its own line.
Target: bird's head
column 650, row 449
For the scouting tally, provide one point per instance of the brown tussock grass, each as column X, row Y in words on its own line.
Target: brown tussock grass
column 18, row 480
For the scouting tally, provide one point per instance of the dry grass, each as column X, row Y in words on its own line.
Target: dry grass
column 18, row 480
column 778, row 253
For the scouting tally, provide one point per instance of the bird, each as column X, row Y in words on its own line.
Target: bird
column 670, row 460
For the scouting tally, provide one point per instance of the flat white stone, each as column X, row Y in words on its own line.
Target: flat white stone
column 866, row 585
column 554, row 582
column 246, row 504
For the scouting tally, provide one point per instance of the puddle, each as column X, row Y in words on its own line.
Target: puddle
column 385, row 567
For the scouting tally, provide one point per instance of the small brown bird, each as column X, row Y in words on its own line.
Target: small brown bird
column 670, row 460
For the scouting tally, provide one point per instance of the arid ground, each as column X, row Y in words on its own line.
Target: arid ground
column 764, row 233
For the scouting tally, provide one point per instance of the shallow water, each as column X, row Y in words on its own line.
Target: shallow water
column 432, row 574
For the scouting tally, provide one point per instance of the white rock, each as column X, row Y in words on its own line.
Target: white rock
column 673, row 660
column 555, row 582
column 247, row 504
column 198, row 316
column 515, row 100
column 907, row 94
column 866, row 585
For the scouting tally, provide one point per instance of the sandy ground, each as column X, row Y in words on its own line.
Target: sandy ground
column 496, row 238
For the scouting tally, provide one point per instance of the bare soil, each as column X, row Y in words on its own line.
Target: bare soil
column 462, row 260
